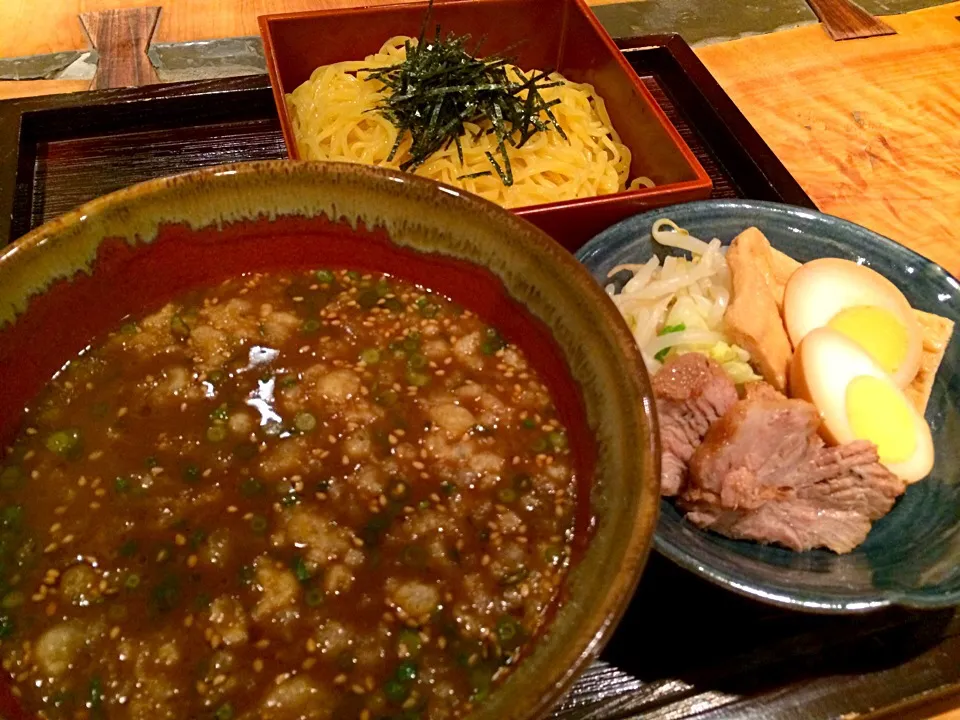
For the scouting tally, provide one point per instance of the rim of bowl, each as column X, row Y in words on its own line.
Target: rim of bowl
column 636, row 550
column 816, row 601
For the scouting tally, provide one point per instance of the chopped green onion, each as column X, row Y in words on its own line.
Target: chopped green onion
column 311, row 325
column 371, row 356
column 258, row 523
column 367, row 299
column 552, row 554
column 492, row 342
column 13, row 599
column 417, row 379
column 522, row 482
column 406, row 671
column 7, row 626
column 191, row 473
column 300, row 569
column 509, row 632
column 666, row 329
column 506, row 495
column 417, row 362
column 224, row 712
column 95, row 695
column 179, row 327
column 395, row 691
column 246, row 573
column 216, row 433
column 411, row 641
column 324, row 277
column 121, row 484
column 558, row 440
column 304, row 422
column 313, row 597
column 132, row 582
column 63, row 442
column 10, row 477
column 448, row 488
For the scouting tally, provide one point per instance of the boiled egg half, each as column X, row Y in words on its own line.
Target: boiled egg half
column 858, row 400
column 862, row 305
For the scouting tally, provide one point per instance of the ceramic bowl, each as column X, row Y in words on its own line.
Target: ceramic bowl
column 563, row 35
column 912, row 556
column 73, row 279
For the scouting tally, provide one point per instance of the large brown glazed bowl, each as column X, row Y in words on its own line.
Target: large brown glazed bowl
column 73, row 279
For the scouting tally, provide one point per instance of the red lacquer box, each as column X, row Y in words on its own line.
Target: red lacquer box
column 548, row 34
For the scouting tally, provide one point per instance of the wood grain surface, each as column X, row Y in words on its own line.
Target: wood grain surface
column 845, row 20
column 121, row 38
column 23, row 33
column 870, row 128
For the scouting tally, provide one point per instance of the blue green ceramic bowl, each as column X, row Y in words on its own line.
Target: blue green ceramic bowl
column 912, row 556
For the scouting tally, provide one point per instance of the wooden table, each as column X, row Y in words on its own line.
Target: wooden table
column 870, row 128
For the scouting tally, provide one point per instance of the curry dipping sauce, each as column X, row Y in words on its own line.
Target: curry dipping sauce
column 316, row 495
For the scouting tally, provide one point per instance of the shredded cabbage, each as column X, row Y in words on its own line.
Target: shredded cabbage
column 678, row 307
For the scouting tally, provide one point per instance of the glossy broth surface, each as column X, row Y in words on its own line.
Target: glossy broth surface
column 319, row 495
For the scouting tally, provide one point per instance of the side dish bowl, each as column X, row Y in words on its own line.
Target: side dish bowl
column 71, row 280
column 563, row 36
column 911, row 556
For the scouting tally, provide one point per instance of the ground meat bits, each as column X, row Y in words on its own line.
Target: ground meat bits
column 319, row 495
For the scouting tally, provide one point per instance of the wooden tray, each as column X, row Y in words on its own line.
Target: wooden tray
column 684, row 648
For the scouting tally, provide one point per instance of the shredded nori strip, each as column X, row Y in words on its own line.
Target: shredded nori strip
column 440, row 86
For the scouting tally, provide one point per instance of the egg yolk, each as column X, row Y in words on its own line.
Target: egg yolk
column 881, row 333
column 878, row 412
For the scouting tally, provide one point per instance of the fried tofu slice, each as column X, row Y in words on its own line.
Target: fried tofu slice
column 782, row 266
column 936, row 332
column 775, row 266
column 753, row 316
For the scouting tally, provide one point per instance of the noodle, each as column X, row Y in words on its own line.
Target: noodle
column 334, row 118
column 678, row 306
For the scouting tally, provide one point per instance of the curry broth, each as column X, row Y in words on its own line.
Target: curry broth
column 314, row 495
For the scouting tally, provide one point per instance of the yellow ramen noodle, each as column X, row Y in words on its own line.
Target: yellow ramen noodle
column 334, row 119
